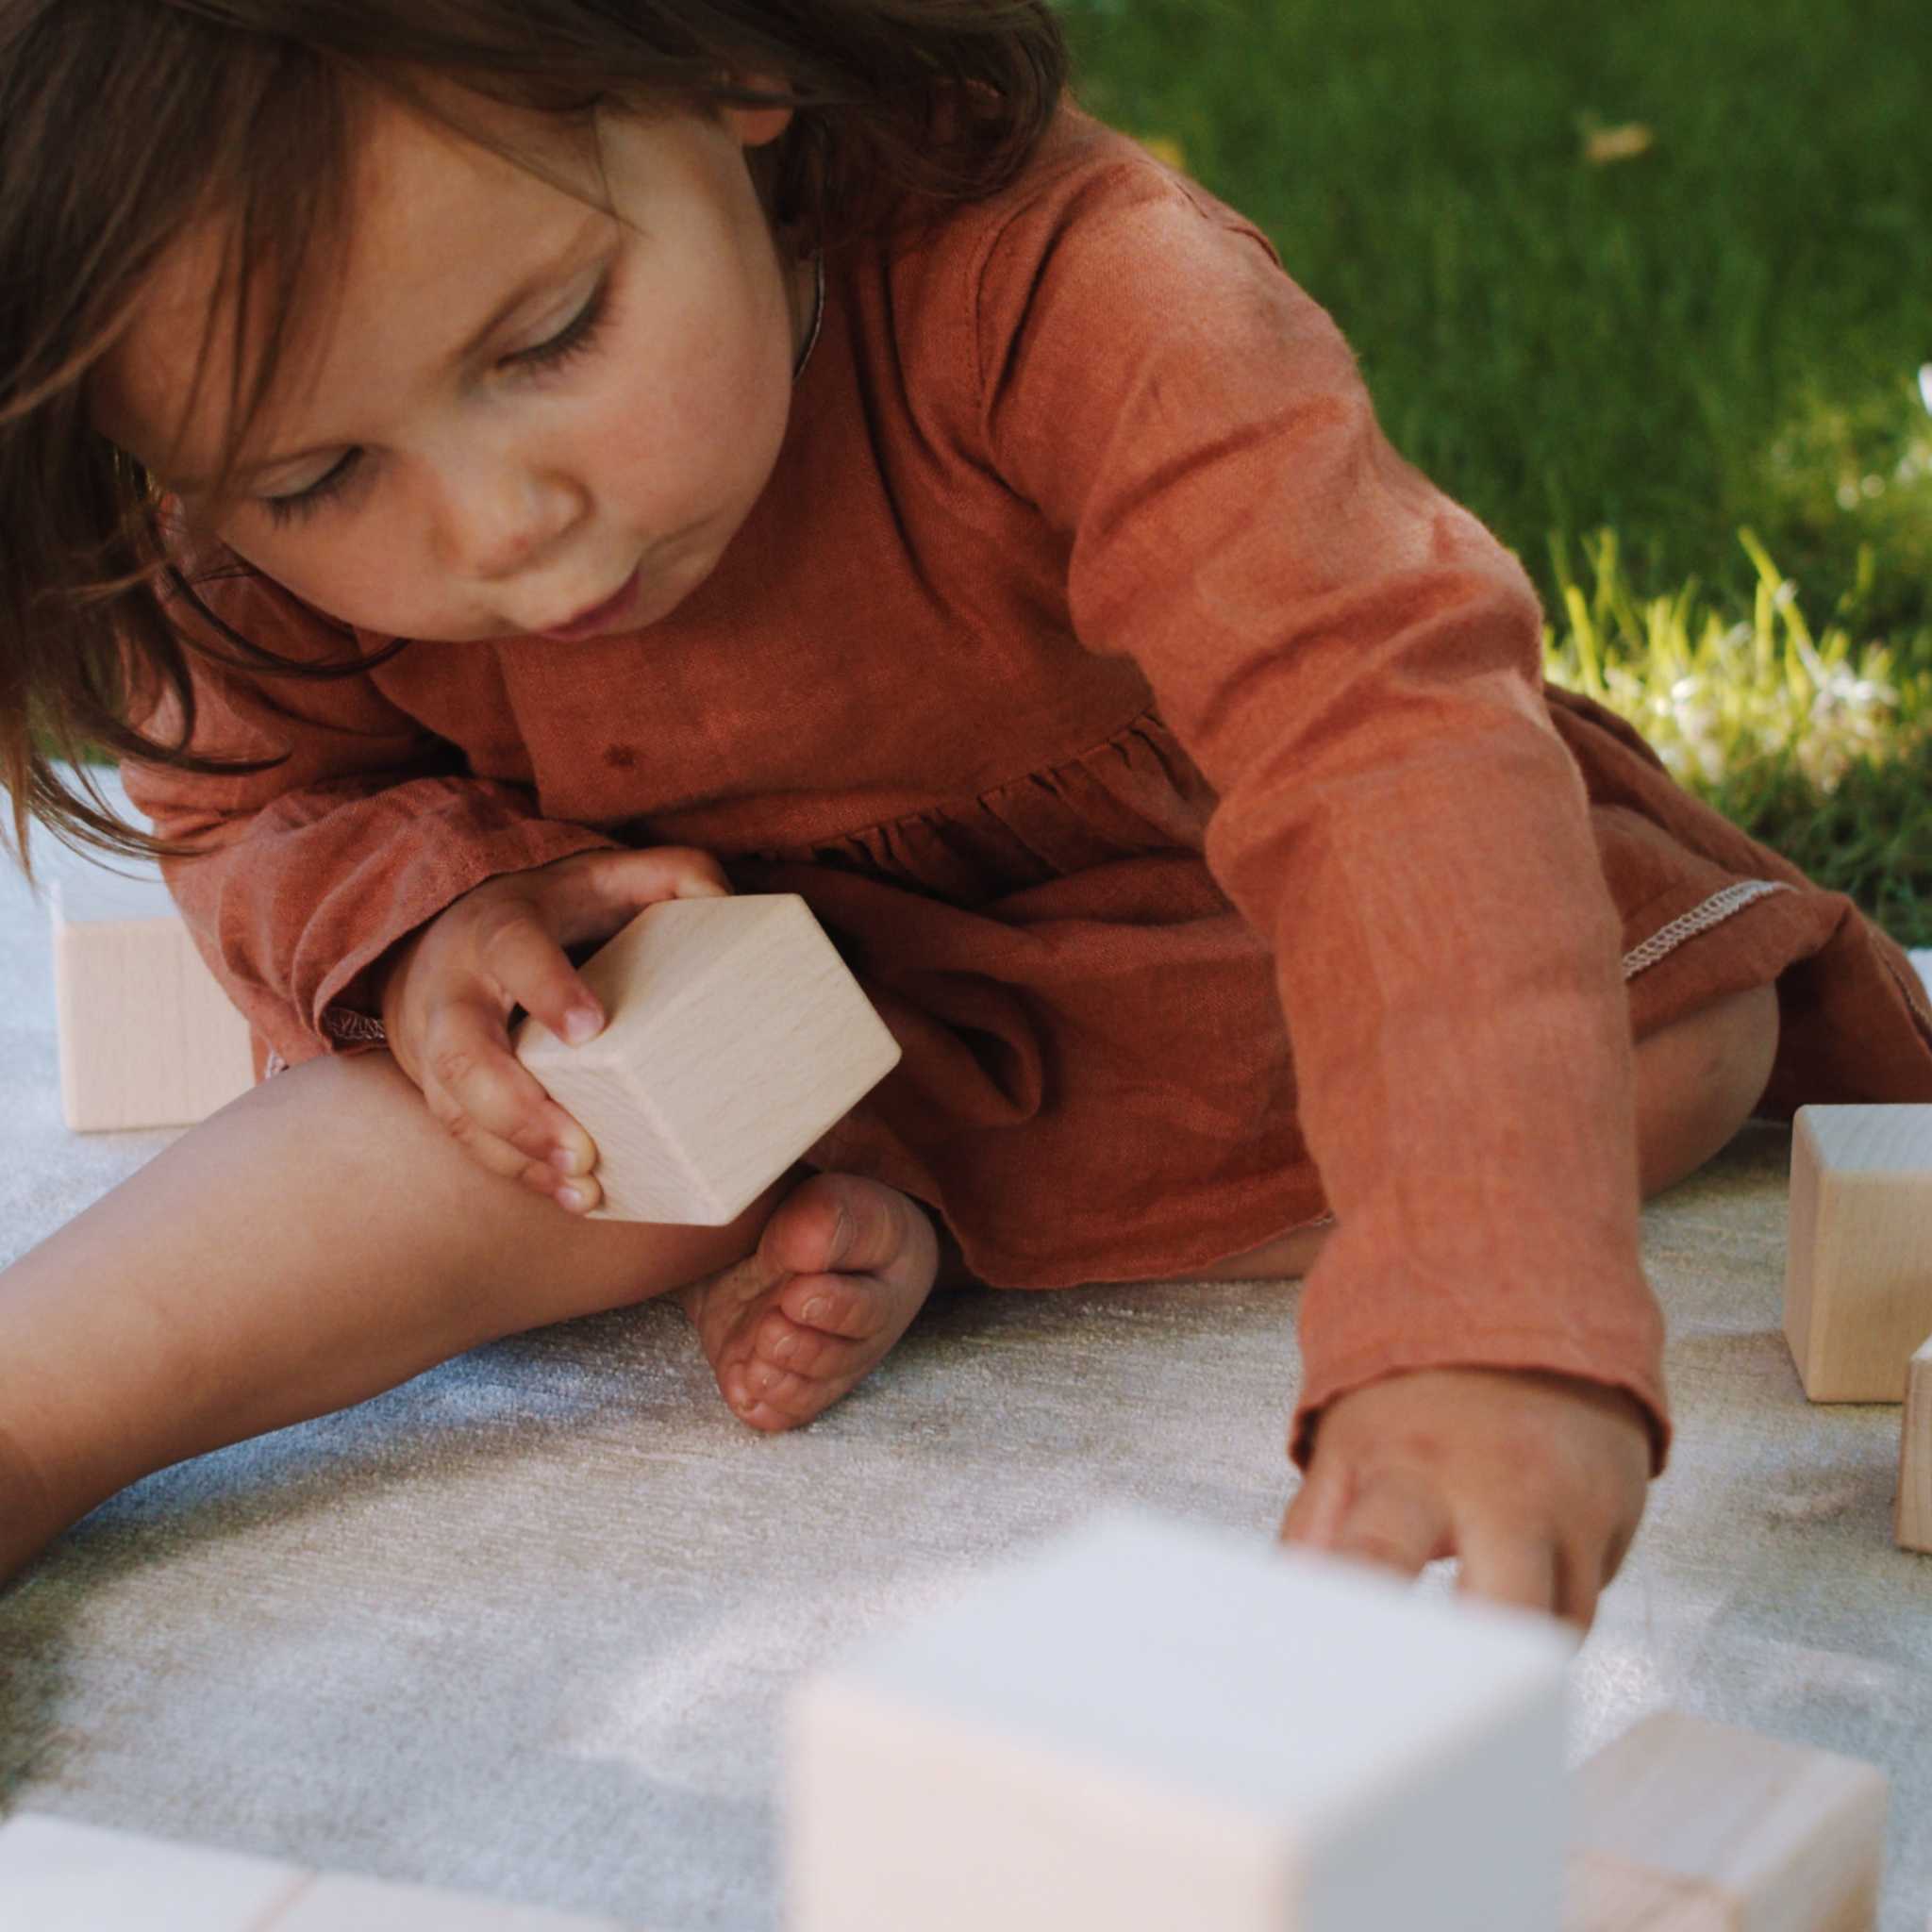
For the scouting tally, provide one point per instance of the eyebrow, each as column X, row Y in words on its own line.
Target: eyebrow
column 550, row 269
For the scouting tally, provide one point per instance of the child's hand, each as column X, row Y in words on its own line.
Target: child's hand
column 451, row 985
column 1535, row 1481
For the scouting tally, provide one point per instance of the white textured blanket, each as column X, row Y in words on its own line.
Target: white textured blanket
column 524, row 1625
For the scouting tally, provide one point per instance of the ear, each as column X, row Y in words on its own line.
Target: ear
column 757, row 126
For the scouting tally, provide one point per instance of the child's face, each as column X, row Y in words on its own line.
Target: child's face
column 522, row 411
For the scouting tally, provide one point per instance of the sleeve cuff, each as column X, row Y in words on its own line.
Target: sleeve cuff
column 1547, row 1351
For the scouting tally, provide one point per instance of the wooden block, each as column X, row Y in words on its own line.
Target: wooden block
column 1683, row 1826
column 1912, row 1518
column 336, row 1903
column 735, row 1037
column 56, row 1876
column 1150, row 1725
column 1858, row 1263
column 146, row 1036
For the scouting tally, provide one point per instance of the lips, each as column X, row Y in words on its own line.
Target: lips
column 600, row 617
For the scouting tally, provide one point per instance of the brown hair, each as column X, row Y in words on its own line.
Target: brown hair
column 125, row 122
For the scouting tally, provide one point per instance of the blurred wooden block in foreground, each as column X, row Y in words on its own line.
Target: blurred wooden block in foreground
column 734, row 1038
column 1684, row 1826
column 1148, row 1725
column 60, row 1876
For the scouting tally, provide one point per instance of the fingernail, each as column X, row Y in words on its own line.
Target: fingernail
column 581, row 1024
column 568, row 1161
column 574, row 1198
column 815, row 1308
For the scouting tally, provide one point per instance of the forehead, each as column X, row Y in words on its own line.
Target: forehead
column 434, row 224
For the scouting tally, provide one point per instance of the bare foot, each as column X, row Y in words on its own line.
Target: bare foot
column 840, row 1269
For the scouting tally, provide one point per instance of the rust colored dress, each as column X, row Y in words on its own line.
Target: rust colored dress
column 1167, row 757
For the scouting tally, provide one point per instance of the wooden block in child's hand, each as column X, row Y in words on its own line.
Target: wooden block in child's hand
column 734, row 1038
column 1148, row 1724
column 1683, row 1826
column 1858, row 1263
column 1913, row 1518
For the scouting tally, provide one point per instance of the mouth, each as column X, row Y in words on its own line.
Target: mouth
column 607, row 615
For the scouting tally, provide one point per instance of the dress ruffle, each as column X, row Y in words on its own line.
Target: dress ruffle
column 1136, row 793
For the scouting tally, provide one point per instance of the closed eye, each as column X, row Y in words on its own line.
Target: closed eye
column 575, row 338
column 292, row 509
column 577, row 335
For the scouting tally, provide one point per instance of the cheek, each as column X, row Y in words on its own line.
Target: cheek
column 694, row 438
column 365, row 577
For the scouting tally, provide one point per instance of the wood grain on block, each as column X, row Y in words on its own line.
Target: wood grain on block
column 1148, row 1724
column 1685, row 1825
column 337, row 1902
column 1859, row 1258
column 57, row 1876
column 146, row 1036
column 734, row 1038
column 1912, row 1518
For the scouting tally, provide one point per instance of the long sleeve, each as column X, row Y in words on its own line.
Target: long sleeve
column 305, row 873
column 1354, row 662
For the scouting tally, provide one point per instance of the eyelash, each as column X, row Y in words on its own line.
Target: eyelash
column 578, row 336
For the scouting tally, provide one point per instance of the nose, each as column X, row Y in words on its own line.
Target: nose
column 502, row 514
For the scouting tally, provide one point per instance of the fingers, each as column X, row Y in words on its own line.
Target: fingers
column 453, row 986
column 1507, row 1563
column 1394, row 1518
column 1536, row 1482
column 520, row 938
column 1398, row 1520
column 1317, row 1507
column 592, row 894
column 527, row 967
column 499, row 1113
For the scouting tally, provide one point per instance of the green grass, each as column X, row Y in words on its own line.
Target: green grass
column 1824, row 740
column 1724, row 333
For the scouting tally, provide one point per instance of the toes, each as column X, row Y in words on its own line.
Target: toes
column 850, row 1307
column 794, row 1374
column 771, row 1397
column 721, row 1300
column 801, row 1351
column 839, row 1221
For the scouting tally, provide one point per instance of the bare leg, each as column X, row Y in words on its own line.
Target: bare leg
column 314, row 1243
column 1697, row 1083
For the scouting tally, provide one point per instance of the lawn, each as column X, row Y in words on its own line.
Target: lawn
column 1649, row 289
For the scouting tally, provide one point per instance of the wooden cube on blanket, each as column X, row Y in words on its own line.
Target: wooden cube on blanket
column 1912, row 1516
column 146, row 1036
column 1684, row 1826
column 1859, row 1258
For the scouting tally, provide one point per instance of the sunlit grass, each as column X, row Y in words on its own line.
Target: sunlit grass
column 1814, row 740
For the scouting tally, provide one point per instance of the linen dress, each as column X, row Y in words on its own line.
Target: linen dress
column 1169, row 759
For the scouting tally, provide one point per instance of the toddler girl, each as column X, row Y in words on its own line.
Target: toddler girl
column 486, row 467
